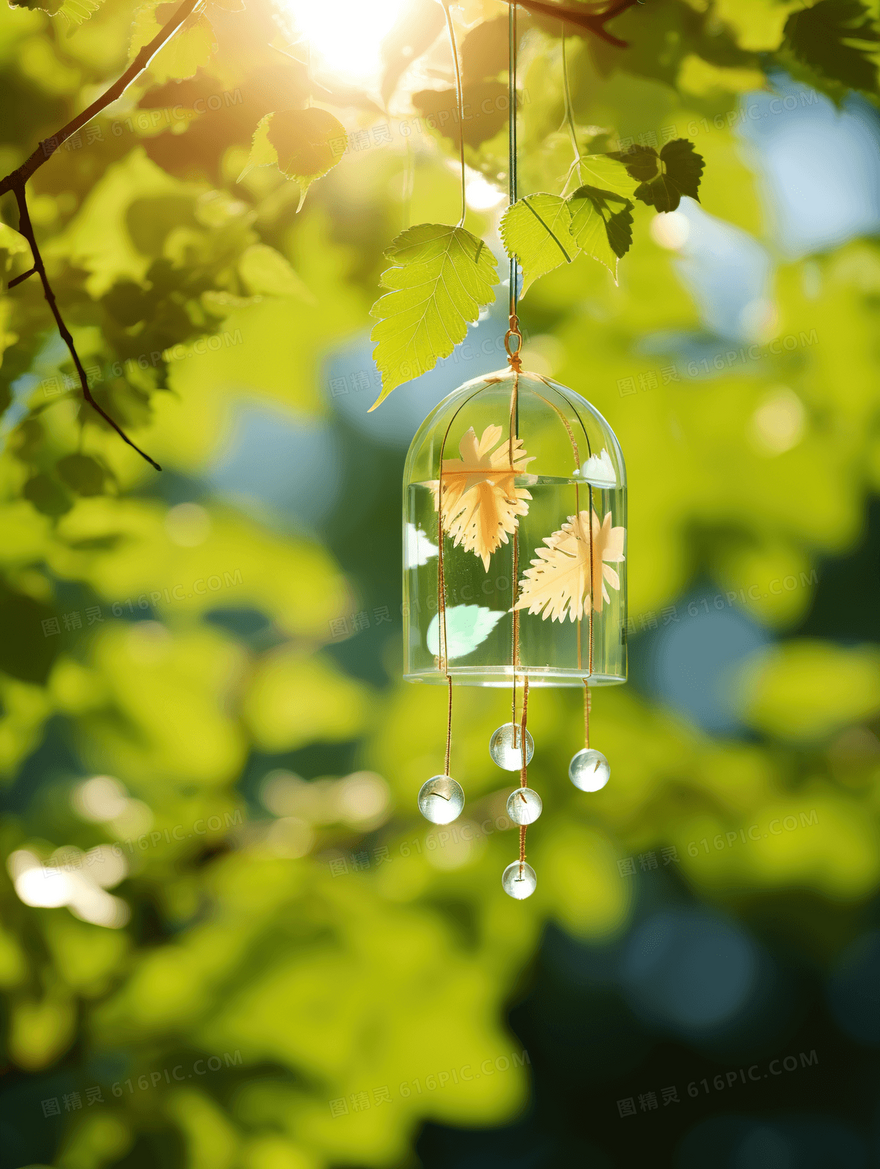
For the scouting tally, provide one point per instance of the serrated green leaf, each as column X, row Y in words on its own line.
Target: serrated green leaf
column 76, row 12
column 680, row 171
column 441, row 277
column 600, row 230
column 821, row 37
column 537, row 231
column 606, row 172
column 303, row 144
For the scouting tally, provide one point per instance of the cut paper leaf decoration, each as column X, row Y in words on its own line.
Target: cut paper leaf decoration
column 559, row 582
column 837, row 39
column 467, row 626
column 480, row 501
column 537, row 231
column 601, row 223
column 303, row 144
column 441, row 277
column 417, row 548
column 665, row 177
column 599, row 470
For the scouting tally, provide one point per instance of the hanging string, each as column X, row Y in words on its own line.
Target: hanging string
column 448, row 727
column 513, row 337
column 523, row 778
column 459, row 100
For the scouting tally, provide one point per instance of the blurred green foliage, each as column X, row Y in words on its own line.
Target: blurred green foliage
column 254, row 754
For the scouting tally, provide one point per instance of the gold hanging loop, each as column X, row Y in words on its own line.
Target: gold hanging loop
column 513, row 343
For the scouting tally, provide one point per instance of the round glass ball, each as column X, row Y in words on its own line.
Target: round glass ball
column 519, row 880
column 505, row 747
column 589, row 770
column 524, row 805
column 441, row 799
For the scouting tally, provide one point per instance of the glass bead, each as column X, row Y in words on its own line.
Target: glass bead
column 589, row 770
column 505, row 747
column 519, row 880
column 441, row 799
column 524, row 805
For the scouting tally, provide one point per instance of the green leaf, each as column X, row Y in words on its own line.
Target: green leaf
column 82, row 474
column 537, row 231
column 641, row 163
column 484, row 50
column 26, row 651
column 189, row 50
column 602, row 231
column 266, row 272
column 665, row 177
column 606, row 172
column 821, row 37
column 46, row 495
column 303, row 144
column 50, row 6
column 485, row 111
column 467, row 626
column 441, row 278
column 76, row 12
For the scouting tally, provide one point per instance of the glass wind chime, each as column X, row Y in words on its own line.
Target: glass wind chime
column 514, row 570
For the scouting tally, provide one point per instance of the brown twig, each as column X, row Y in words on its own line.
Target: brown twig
column 591, row 22
column 26, row 229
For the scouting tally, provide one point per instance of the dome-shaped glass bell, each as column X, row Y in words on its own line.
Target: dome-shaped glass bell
column 526, row 482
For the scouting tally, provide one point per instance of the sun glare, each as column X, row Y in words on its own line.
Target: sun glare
column 346, row 37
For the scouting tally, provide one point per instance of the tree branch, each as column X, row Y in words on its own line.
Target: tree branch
column 26, row 229
column 48, row 146
column 591, row 22
column 16, row 182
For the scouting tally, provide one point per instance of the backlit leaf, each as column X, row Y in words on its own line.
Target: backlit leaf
column 665, row 178
column 605, row 171
column 188, row 50
column 601, row 223
column 303, row 144
column 537, row 231
column 441, row 277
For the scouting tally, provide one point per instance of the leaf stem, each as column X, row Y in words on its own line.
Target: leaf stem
column 459, row 98
column 569, row 112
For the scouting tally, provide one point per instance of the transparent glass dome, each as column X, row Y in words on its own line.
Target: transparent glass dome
column 531, row 498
